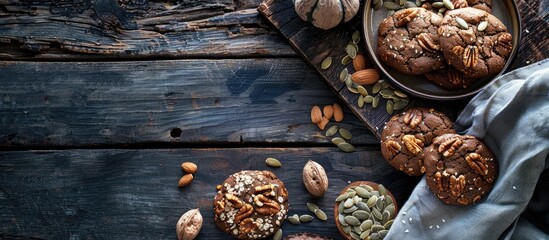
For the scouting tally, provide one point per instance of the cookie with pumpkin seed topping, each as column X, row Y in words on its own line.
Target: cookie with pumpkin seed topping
column 405, row 136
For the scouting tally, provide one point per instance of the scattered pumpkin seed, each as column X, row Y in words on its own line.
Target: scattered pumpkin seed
column 351, row 51
column 400, row 94
column 375, row 102
column 390, row 13
column 312, row 207
column 410, row 5
column 437, row 4
column 345, row 133
column 349, row 81
column 391, row 5
column 362, row 90
column 356, row 37
column 360, row 101
column 346, row 60
column 278, row 235
column 376, row 88
column 352, row 89
column 336, row 141
column 401, row 2
column 441, row 10
column 321, row 214
column 331, row 131
column 482, row 26
column 448, row 4
column 346, row 147
column 399, row 105
column 305, row 218
column 368, row 99
column 273, row 162
column 343, row 74
column 326, row 63
column 462, row 23
column 294, row 219
column 389, row 107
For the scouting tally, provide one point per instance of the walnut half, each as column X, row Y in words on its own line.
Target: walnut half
column 413, row 144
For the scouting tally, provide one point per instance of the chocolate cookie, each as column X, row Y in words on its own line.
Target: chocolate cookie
column 475, row 42
column 408, row 41
column 405, row 136
column 251, row 204
column 460, row 169
column 305, row 236
column 449, row 78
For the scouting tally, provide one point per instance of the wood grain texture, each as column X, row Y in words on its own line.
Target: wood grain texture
column 228, row 101
column 133, row 194
column 135, row 29
column 315, row 44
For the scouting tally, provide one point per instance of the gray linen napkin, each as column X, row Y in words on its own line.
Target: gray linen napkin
column 511, row 116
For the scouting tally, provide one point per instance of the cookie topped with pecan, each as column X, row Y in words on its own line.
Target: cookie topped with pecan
column 449, row 78
column 475, row 42
column 405, row 136
column 408, row 41
column 460, row 169
column 251, row 204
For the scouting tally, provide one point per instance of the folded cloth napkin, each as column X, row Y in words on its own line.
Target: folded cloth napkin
column 511, row 116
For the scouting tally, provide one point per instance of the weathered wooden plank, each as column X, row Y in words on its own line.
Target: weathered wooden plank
column 133, row 194
column 232, row 101
column 314, row 45
column 135, row 29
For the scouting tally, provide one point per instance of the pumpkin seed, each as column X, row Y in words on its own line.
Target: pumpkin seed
column 418, row 3
column 390, row 209
column 348, row 81
column 372, row 201
column 351, row 220
column 386, row 92
column 367, row 224
column 391, row 5
column 368, row 99
column 375, row 193
column 278, row 235
column 388, row 224
column 441, row 10
column 341, row 219
column 375, row 236
column 437, row 4
column 361, row 215
column 388, row 201
column 375, row 102
column 352, row 89
column 401, row 2
column 399, row 105
column 360, row 101
column 341, row 197
column 355, row 236
column 383, row 233
column 389, row 107
column 363, row 193
column 326, row 63
column 336, row 141
column 294, row 219
column 400, row 94
column 347, row 229
column 312, row 207
column 321, row 215
column 348, row 203
column 341, row 207
column 273, row 162
column 448, row 4
column 382, row 190
column 346, row 60
column 345, row 133
column 362, row 91
column 331, row 131
column 390, row 13
column 363, row 206
column 377, row 228
column 356, row 37
column 365, row 234
column 351, row 51
column 462, row 23
column 482, row 26
column 380, row 204
column 350, row 210
column 378, row 5
column 376, row 88
column 305, row 218
column 343, row 74
column 375, row 1
column 376, row 213
column 385, row 217
column 346, row 147
column 410, row 5
column 351, row 193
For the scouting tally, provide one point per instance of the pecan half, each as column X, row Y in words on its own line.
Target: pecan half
column 455, row 77
column 477, row 163
column 438, row 180
column 427, row 43
column 458, row 50
column 413, row 144
column 248, row 225
column 405, row 16
column 470, row 56
column 449, row 146
column 237, row 203
column 505, row 41
column 457, row 184
column 268, row 206
column 460, row 3
column 268, row 189
column 244, row 212
column 412, row 117
column 393, row 147
column 463, row 201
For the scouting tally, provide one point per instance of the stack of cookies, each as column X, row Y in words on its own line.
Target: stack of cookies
column 459, row 169
column 452, row 50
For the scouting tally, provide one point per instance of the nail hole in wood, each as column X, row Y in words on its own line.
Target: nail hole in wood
column 176, row 132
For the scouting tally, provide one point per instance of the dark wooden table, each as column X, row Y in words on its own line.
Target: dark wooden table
column 101, row 101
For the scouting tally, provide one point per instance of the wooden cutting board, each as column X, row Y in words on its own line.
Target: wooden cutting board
column 315, row 44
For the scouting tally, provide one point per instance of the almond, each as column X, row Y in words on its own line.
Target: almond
column 185, row 180
column 365, row 77
column 328, row 111
column 359, row 62
column 338, row 113
column 316, row 114
column 189, row 167
column 322, row 124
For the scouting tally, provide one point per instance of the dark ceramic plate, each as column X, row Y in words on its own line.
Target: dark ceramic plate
column 505, row 10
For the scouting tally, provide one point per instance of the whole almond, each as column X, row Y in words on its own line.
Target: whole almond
column 189, row 167
column 189, row 225
column 185, row 180
column 365, row 76
column 316, row 114
column 359, row 62
column 322, row 124
column 338, row 113
column 315, row 178
column 328, row 111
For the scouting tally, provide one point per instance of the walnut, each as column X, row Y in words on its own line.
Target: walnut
column 438, row 179
column 413, row 144
column 219, row 207
column 268, row 189
column 237, row 203
column 457, row 185
column 449, row 146
column 413, row 117
column 405, row 16
column 248, row 225
column 244, row 212
column 470, row 56
column 315, row 178
column 427, row 43
column 189, row 225
column 393, row 147
column 266, row 205
column 477, row 163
